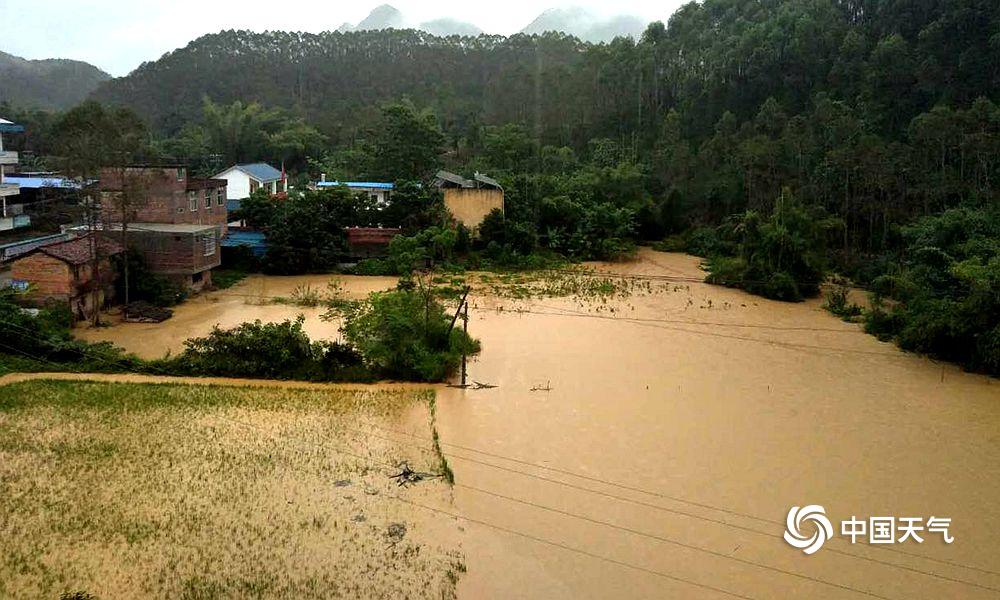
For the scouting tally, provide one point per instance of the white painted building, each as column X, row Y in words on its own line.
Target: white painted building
column 243, row 180
column 11, row 217
column 375, row 190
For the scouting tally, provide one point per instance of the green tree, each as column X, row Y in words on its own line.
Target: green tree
column 406, row 144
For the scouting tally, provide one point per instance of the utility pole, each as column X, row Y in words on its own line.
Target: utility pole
column 457, row 312
column 465, row 328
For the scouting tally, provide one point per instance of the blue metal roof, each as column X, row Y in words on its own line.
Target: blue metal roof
column 34, row 183
column 375, row 185
column 255, row 240
column 11, row 128
column 262, row 172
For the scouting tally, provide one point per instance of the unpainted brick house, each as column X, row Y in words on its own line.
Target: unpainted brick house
column 64, row 272
column 176, row 222
column 185, row 253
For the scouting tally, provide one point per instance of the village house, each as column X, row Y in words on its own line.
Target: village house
column 12, row 215
column 182, row 252
column 375, row 190
column 469, row 200
column 176, row 222
column 65, row 272
column 243, row 180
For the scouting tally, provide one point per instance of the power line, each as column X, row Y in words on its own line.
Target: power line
column 679, row 512
column 697, row 322
column 613, row 526
column 792, row 345
column 649, row 493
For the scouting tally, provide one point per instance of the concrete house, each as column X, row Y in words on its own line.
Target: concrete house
column 178, row 225
column 469, row 200
column 12, row 215
column 64, row 272
column 375, row 190
column 243, row 180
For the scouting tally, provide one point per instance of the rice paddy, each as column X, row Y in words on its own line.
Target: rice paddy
column 202, row 492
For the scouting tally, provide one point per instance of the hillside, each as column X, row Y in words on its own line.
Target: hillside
column 337, row 79
column 717, row 57
column 48, row 84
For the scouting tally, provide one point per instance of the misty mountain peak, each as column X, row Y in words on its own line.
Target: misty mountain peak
column 383, row 16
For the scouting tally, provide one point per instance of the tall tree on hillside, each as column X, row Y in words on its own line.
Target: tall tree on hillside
column 406, row 144
column 248, row 132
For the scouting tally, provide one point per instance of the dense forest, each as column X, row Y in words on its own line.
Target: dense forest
column 783, row 140
column 880, row 110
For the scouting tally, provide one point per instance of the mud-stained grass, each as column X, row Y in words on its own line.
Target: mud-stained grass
column 164, row 491
column 579, row 283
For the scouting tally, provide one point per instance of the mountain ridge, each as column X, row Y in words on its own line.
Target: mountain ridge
column 50, row 83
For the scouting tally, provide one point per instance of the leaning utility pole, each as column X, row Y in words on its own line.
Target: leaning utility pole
column 465, row 328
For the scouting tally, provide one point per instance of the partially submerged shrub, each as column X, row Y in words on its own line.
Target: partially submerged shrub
column 268, row 351
column 406, row 334
column 837, row 299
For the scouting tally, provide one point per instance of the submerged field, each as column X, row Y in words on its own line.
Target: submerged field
column 648, row 433
column 178, row 491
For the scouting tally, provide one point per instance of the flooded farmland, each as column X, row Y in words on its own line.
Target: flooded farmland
column 136, row 491
column 651, row 446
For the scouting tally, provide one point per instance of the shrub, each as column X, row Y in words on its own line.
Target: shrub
column 704, row 242
column 673, row 243
column 268, row 351
column 837, row 299
column 406, row 334
column 374, row 267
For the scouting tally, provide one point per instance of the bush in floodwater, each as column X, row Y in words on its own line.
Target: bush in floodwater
column 406, row 334
column 837, row 299
column 268, row 351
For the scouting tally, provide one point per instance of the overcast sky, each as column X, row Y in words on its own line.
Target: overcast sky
column 118, row 35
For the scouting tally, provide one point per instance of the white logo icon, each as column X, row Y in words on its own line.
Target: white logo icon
column 793, row 528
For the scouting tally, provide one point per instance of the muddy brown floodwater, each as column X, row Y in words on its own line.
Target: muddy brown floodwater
column 651, row 447
column 248, row 300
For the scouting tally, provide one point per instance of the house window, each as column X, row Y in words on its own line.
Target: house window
column 209, row 241
column 180, row 174
column 180, row 209
column 253, row 185
column 193, row 200
column 208, row 198
column 221, row 197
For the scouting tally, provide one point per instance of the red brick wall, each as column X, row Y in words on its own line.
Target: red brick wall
column 168, row 197
column 175, row 253
column 49, row 277
column 53, row 279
